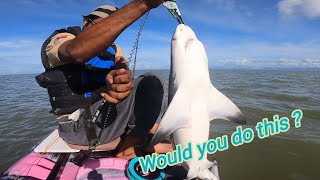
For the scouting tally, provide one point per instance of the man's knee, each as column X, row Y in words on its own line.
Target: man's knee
column 149, row 98
column 148, row 104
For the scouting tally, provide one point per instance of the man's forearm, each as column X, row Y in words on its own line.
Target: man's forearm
column 95, row 39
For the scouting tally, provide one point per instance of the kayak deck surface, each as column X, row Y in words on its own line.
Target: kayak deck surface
column 46, row 159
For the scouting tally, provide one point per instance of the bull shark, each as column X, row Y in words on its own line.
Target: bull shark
column 193, row 102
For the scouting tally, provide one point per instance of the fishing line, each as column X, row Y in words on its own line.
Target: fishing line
column 172, row 7
column 135, row 47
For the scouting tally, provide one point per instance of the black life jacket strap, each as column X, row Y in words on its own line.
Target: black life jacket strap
column 59, row 165
column 89, row 125
column 89, row 121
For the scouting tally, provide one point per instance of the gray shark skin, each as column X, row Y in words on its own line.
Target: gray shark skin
column 194, row 102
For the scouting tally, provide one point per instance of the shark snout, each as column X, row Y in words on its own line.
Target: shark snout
column 184, row 32
column 181, row 27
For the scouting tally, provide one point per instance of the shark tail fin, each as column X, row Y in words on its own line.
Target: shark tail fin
column 215, row 168
column 207, row 174
column 221, row 107
column 203, row 171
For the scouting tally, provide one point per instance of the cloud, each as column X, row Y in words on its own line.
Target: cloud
column 15, row 67
column 261, row 49
column 16, row 43
column 156, row 36
column 265, row 63
column 20, row 46
column 152, row 57
column 247, row 34
column 20, row 55
column 294, row 8
column 223, row 4
column 150, row 65
column 222, row 15
column 260, row 54
column 53, row 9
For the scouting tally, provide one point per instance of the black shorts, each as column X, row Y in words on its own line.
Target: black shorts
column 134, row 116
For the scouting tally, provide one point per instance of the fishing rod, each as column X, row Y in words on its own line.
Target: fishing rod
column 172, row 7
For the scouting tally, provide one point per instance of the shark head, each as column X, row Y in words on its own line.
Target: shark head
column 185, row 46
column 184, row 34
column 187, row 53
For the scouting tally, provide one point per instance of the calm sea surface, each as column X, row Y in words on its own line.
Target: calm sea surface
column 25, row 120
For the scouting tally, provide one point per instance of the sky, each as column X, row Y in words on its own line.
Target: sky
column 246, row 34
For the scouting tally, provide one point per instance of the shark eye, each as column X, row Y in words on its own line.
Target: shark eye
column 189, row 41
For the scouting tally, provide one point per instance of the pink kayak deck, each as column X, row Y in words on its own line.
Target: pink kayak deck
column 39, row 166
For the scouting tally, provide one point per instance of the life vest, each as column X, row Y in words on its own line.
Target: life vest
column 73, row 86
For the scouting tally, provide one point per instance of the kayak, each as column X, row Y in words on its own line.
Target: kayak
column 44, row 166
column 53, row 160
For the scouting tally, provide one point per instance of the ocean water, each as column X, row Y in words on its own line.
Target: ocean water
column 25, row 120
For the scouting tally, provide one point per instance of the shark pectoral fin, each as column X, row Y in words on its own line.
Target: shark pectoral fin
column 176, row 117
column 221, row 107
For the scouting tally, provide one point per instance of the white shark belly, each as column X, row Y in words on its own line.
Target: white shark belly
column 198, row 135
column 194, row 101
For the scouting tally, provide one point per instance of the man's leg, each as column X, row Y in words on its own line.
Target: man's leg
column 148, row 108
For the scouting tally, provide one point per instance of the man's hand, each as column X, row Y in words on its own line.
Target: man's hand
column 119, row 82
column 152, row 3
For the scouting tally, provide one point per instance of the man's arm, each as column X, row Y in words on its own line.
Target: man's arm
column 95, row 39
column 119, row 81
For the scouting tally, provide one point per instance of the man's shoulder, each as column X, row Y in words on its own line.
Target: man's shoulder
column 74, row 30
column 54, row 41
